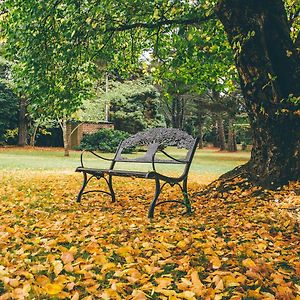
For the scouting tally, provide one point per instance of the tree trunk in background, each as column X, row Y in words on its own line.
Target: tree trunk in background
column 231, row 142
column 23, row 126
column 221, row 133
column 177, row 112
column 33, row 136
column 64, row 127
column 200, row 134
column 269, row 69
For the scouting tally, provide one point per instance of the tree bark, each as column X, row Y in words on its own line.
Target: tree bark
column 269, row 69
column 221, row 133
column 66, row 138
column 177, row 112
column 231, row 141
column 22, row 134
column 200, row 131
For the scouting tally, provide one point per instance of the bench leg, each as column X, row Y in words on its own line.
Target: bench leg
column 85, row 181
column 112, row 192
column 186, row 200
column 153, row 203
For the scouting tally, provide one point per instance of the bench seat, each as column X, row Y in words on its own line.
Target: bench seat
column 121, row 173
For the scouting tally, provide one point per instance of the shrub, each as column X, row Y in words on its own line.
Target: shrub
column 105, row 140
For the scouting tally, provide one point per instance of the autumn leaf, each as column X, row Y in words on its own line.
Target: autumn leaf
column 58, row 267
column 53, row 288
column 53, row 247
column 67, row 257
column 248, row 263
column 216, row 262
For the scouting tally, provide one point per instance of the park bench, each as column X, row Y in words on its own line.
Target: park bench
column 155, row 141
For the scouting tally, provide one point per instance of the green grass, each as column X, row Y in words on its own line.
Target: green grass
column 208, row 162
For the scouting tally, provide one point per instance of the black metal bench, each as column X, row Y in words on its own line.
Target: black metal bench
column 156, row 140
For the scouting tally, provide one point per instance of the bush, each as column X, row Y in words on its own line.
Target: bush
column 105, row 140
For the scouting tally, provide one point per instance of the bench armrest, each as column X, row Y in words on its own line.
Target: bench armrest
column 95, row 154
column 172, row 159
column 183, row 161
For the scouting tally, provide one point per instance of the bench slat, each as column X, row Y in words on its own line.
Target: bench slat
column 122, row 173
column 157, row 161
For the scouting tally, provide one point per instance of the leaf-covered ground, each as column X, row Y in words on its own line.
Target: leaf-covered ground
column 236, row 245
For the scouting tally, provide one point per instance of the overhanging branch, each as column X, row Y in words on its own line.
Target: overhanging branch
column 165, row 22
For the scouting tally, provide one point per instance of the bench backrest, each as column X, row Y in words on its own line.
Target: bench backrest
column 156, row 139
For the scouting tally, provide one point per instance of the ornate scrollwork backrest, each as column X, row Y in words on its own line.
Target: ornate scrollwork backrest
column 162, row 136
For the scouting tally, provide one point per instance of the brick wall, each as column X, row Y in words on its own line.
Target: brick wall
column 85, row 128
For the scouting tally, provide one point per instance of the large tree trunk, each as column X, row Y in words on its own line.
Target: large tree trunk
column 269, row 70
column 23, row 124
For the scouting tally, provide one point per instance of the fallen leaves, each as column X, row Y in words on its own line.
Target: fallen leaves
column 234, row 247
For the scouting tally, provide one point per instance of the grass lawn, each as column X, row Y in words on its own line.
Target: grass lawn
column 208, row 164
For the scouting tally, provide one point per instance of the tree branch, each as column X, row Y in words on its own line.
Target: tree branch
column 165, row 22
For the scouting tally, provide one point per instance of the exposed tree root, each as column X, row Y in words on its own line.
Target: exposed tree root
column 238, row 185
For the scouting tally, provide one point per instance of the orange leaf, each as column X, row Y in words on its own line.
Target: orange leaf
column 67, row 257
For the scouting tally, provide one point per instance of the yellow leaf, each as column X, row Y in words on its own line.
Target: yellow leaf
column 58, row 267
column 14, row 282
column 220, row 285
column 182, row 245
column 42, row 280
column 163, row 282
column 138, row 295
column 134, row 275
column 53, row 288
column 10, row 230
column 248, row 263
column 68, row 268
column 188, row 295
column 108, row 266
column 62, row 279
column 124, row 251
column 100, row 259
column 168, row 293
column 216, row 263
column 197, row 285
column 230, row 281
column 92, row 289
column 254, row 294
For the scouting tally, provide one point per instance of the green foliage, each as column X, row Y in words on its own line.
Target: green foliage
column 105, row 140
column 8, row 111
column 134, row 106
column 50, row 65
